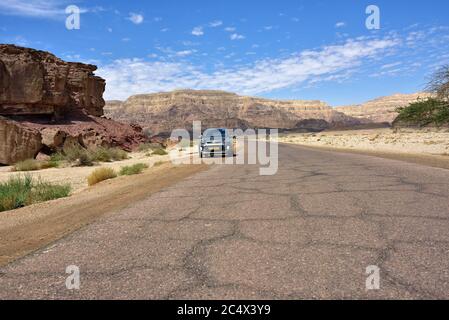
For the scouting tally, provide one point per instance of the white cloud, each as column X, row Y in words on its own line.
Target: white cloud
column 185, row 53
column 132, row 76
column 236, row 36
column 135, row 18
column 340, row 24
column 268, row 28
column 230, row 29
column 197, row 31
column 216, row 23
column 34, row 8
column 109, row 29
column 391, row 65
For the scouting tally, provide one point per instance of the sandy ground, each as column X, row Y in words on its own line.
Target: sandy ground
column 25, row 230
column 77, row 176
column 425, row 141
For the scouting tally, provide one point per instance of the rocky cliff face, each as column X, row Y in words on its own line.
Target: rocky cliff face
column 36, row 82
column 381, row 109
column 163, row 112
column 42, row 93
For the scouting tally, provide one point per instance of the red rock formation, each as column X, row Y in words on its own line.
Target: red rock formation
column 47, row 102
column 37, row 82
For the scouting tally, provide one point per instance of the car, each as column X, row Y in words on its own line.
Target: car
column 216, row 141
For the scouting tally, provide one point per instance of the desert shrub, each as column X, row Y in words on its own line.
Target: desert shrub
column 118, row 154
column 109, row 154
column 424, row 112
column 134, row 169
column 100, row 174
column 101, row 154
column 33, row 165
column 44, row 191
column 74, row 153
column 27, row 165
column 86, row 157
column 57, row 157
column 160, row 152
column 85, row 160
column 21, row 191
column 158, row 163
column 145, row 147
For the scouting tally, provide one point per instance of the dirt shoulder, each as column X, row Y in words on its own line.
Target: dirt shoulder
column 436, row 161
column 77, row 176
column 25, row 230
column 422, row 146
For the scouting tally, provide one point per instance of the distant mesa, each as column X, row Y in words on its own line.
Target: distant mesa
column 162, row 112
column 382, row 109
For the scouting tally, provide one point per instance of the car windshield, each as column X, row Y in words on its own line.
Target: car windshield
column 216, row 134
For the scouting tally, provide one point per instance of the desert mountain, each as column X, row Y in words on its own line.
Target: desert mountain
column 163, row 112
column 381, row 109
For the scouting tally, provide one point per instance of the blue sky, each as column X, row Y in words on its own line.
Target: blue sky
column 274, row 49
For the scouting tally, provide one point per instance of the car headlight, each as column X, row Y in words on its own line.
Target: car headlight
column 227, row 147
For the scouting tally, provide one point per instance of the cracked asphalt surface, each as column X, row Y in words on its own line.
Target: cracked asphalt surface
column 309, row 231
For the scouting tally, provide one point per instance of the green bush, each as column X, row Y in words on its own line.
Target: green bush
column 100, row 174
column 160, row 152
column 21, row 191
column 74, row 153
column 424, row 112
column 134, row 169
column 101, row 154
column 118, row 154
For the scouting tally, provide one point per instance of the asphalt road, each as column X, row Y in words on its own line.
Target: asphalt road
column 310, row 231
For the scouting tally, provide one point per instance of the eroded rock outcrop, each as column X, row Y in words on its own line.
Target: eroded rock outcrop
column 46, row 103
column 37, row 82
column 163, row 112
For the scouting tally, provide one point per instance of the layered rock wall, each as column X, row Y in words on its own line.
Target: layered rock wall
column 47, row 103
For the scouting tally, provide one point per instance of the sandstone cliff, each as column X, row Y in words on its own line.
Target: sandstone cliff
column 36, row 82
column 42, row 93
column 163, row 112
column 381, row 109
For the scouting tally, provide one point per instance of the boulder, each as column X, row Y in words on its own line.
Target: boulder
column 53, row 138
column 17, row 142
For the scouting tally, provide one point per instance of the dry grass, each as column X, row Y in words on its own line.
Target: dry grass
column 85, row 158
column 33, row 165
column 134, row 169
column 158, row 163
column 100, row 174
